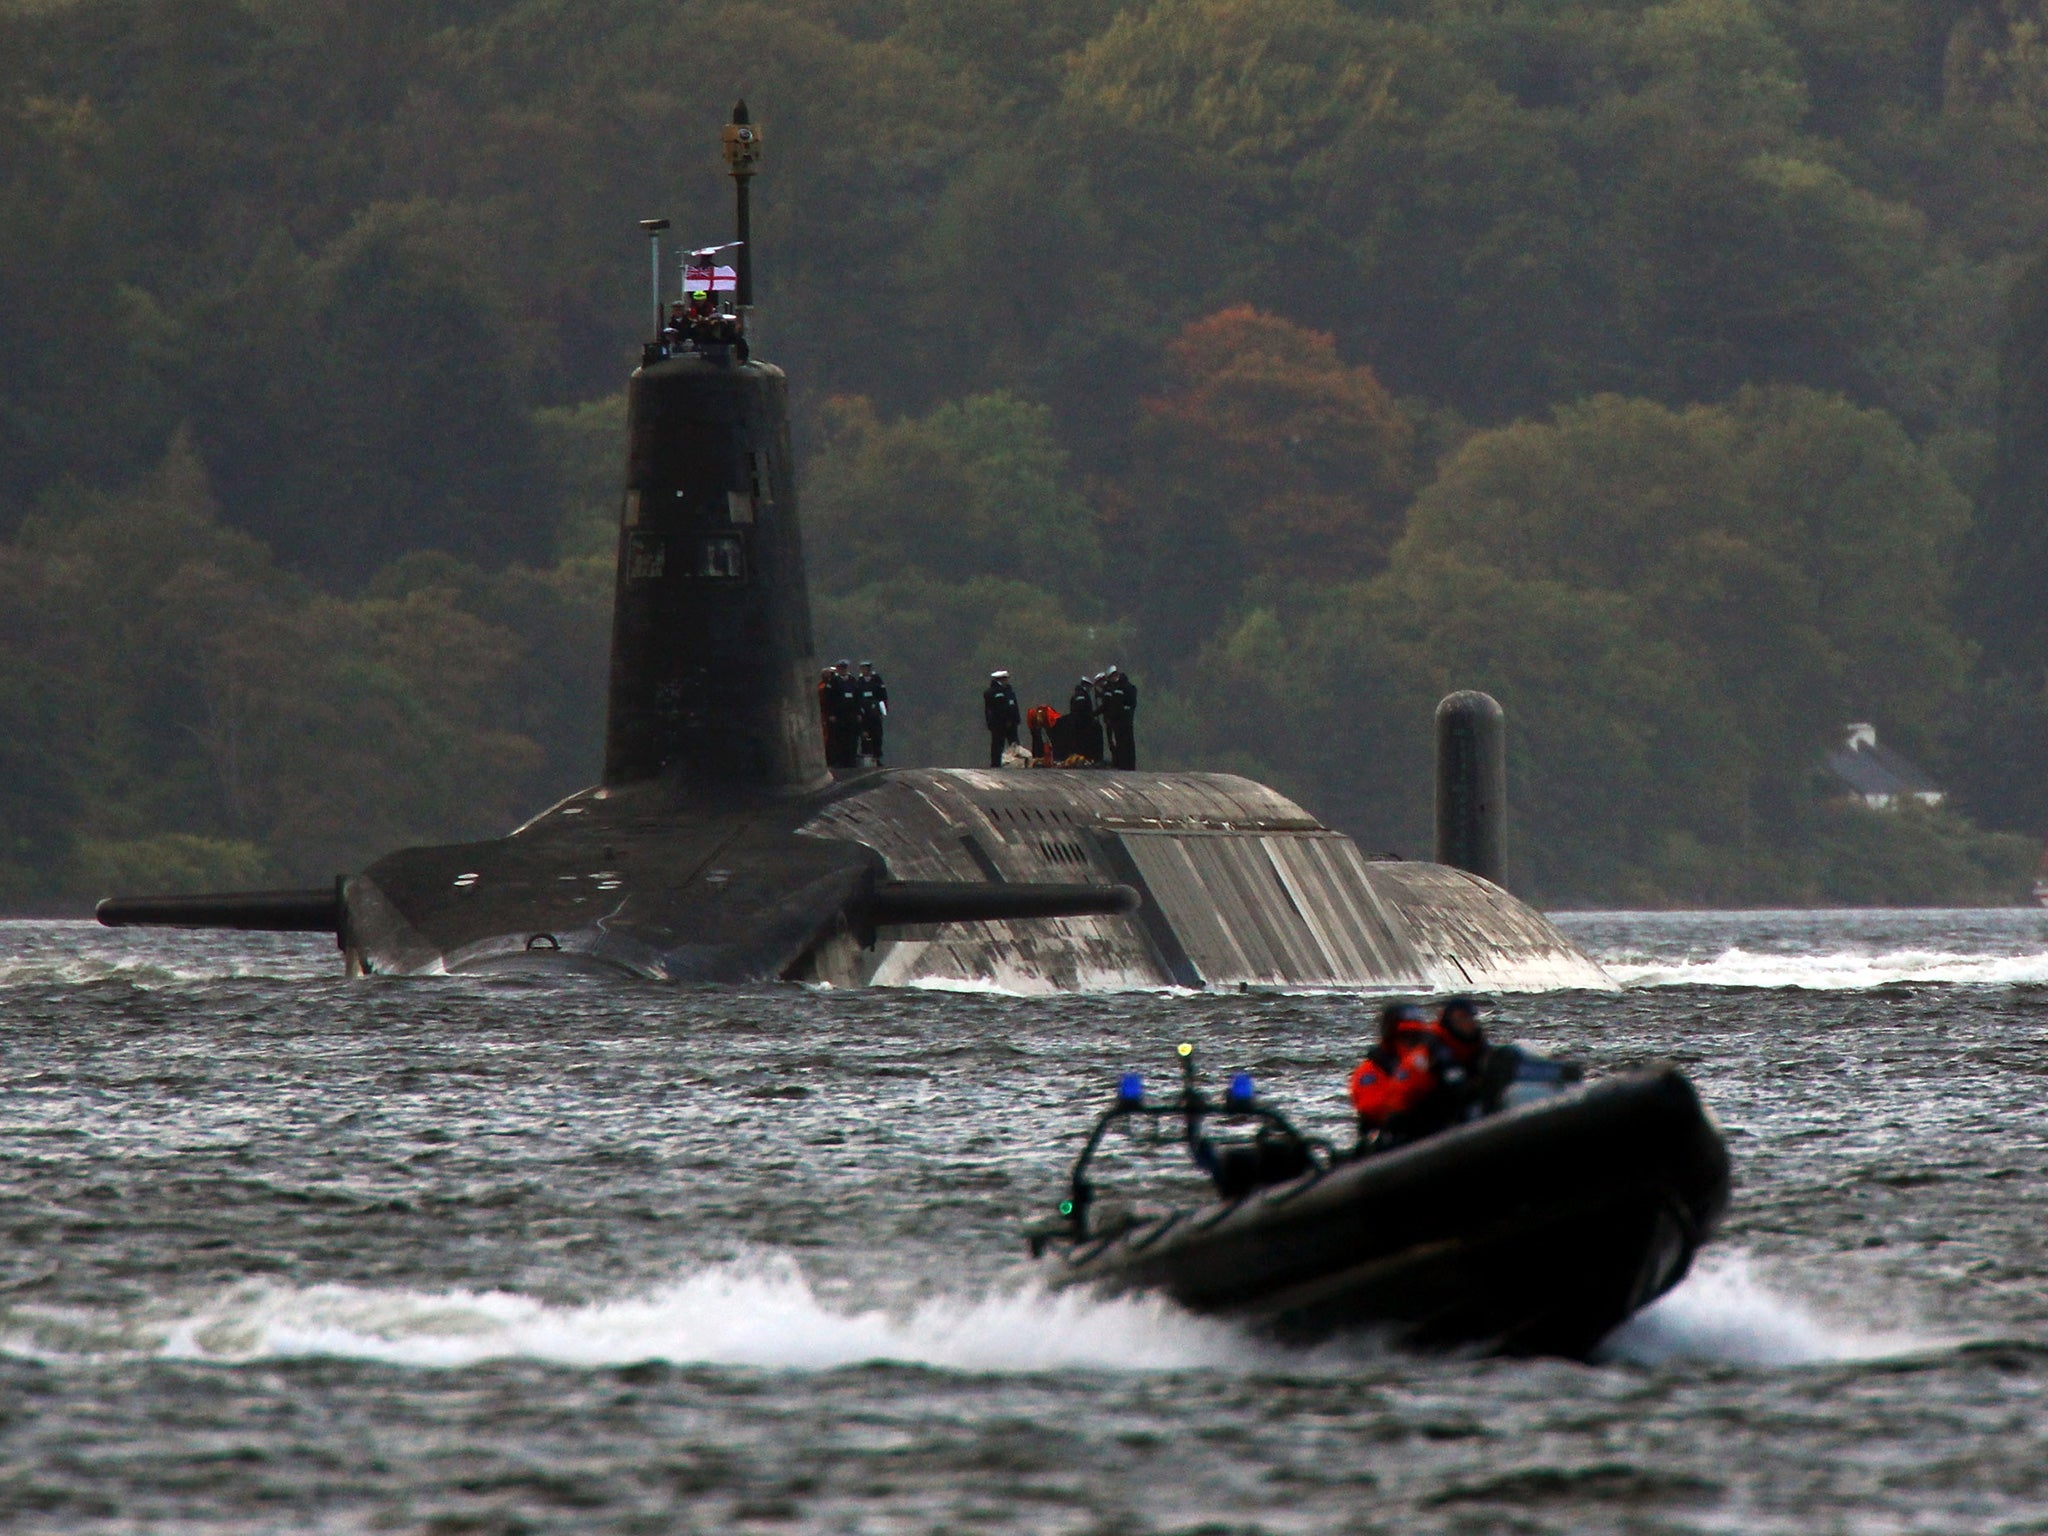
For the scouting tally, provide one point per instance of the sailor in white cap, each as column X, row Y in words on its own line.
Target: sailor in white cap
column 1117, row 704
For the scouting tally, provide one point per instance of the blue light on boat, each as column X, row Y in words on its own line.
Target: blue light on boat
column 1130, row 1089
column 1240, row 1089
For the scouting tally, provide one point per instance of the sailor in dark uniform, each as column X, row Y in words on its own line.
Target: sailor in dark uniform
column 1117, row 703
column 1087, row 729
column 1002, row 714
column 873, row 694
column 842, row 717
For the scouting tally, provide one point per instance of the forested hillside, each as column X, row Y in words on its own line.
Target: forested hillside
column 1677, row 372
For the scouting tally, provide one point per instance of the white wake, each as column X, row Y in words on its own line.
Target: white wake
column 765, row 1314
column 1839, row 970
column 762, row 1313
column 1724, row 1314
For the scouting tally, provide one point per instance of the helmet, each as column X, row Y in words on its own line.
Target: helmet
column 1465, row 1005
column 1396, row 1013
column 999, row 672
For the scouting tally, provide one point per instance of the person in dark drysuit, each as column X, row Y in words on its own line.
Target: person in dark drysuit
column 1087, row 728
column 1118, row 705
column 1002, row 714
column 842, row 717
column 873, row 694
column 1422, row 1076
column 825, row 712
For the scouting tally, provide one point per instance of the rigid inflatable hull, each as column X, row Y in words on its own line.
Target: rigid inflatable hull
column 1536, row 1231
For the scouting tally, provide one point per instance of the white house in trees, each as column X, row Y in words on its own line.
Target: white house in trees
column 1878, row 776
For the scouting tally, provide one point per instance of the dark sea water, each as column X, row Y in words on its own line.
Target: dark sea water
column 288, row 1253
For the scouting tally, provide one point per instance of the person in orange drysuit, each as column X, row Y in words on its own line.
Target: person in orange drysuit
column 1421, row 1075
column 1042, row 718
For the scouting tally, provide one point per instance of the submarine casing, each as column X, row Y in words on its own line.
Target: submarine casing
column 1238, row 887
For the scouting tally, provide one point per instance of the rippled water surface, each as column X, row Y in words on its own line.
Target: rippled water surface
column 284, row 1252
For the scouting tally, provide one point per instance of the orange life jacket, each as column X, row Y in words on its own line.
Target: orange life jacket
column 1463, row 1052
column 1393, row 1079
column 1398, row 1078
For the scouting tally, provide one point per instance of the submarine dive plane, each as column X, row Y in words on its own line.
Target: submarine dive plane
column 719, row 848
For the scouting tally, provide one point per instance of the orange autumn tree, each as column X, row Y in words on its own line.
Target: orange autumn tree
column 1268, row 462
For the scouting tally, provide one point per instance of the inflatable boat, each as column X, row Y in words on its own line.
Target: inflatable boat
column 1533, row 1228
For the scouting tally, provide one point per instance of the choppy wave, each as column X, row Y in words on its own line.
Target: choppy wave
column 66, row 953
column 1723, row 1313
column 87, row 970
column 1838, row 970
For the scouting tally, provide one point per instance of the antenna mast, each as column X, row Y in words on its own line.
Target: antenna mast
column 653, row 228
column 742, row 150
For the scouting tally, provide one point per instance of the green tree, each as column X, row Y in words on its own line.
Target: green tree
column 977, row 487
column 1833, row 535
column 1266, row 459
column 584, row 447
column 363, row 405
column 2008, row 555
column 1678, row 609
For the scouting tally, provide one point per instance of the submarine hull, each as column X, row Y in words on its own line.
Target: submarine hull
column 1536, row 1231
column 1236, row 886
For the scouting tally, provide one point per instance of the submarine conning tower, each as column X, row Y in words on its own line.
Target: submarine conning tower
column 713, row 676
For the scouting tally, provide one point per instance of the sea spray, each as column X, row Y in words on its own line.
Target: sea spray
column 760, row 1312
column 1843, row 970
column 763, row 1312
column 1725, row 1314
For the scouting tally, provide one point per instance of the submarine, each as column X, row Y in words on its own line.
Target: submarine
column 719, row 848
